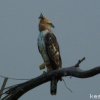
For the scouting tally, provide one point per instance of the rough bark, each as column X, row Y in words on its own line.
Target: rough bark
column 18, row 90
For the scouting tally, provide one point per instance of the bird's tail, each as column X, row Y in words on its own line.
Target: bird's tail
column 53, row 86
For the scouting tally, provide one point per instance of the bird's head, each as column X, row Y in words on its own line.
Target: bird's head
column 45, row 24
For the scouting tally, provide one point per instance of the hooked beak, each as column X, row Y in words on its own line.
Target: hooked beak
column 52, row 25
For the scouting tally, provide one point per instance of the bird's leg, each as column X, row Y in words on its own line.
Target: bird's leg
column 42, row 66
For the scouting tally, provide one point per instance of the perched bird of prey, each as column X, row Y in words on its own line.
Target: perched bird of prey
column 49, row 50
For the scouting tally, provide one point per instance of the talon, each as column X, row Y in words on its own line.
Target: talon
column 42, row 66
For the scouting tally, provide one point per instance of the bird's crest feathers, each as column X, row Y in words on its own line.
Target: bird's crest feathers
column 41, row 16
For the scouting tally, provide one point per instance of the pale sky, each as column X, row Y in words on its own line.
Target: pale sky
column 77, row 27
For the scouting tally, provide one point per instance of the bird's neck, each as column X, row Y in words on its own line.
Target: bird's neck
column 46, row 31
column 43, row 27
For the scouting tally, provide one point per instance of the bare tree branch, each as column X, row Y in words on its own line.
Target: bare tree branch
column 17, row 91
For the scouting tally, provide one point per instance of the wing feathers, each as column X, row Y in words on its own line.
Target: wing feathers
column 52, row 49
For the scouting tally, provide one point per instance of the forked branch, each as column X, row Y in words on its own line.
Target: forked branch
column 18, row 90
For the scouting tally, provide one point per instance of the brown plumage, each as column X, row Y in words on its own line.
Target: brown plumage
column 49, row 49
column 45, row 24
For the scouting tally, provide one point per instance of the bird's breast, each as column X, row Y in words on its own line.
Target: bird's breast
column 42, row 47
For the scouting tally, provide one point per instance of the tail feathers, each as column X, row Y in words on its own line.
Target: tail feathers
column 53, row 86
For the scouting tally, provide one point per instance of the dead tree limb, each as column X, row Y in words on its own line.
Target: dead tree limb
column 17, row 91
